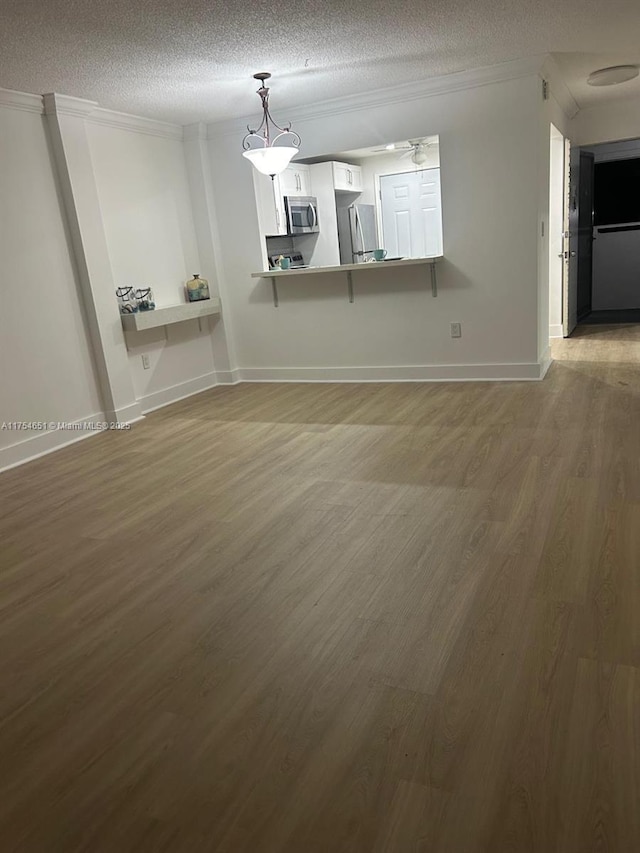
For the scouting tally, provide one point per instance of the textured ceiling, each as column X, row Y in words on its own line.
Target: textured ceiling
column 192, row 60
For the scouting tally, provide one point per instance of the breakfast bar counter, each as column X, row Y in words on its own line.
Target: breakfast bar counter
column 349, row 269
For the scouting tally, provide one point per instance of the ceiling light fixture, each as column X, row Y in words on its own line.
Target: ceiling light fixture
column 260, row 148
column 612, row 76
column 419, row 156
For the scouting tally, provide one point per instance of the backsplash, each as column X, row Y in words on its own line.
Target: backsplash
column 280, row 245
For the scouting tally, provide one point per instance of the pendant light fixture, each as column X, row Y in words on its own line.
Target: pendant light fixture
column 260, row 145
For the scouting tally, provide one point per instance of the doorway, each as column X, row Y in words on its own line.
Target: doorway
column 608, row 250
column 585, row 235
column 577, row 235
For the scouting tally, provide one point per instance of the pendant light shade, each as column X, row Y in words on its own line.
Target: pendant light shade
column 271, row 161
column 270, row 153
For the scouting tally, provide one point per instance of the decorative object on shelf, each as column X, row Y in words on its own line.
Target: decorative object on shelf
column 260, row 148
column 197, row 289
column 144, row 298
column 126, row 300
column 284, row 262
column 379, row 254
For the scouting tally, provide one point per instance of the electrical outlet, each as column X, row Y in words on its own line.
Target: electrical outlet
column 146, row 363
column 456, row 330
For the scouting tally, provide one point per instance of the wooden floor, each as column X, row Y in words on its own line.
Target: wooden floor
column 333, row 619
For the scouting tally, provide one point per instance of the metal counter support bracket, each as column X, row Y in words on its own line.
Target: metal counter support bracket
column 432, row 273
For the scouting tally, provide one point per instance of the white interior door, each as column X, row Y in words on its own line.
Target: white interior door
column 558, row 205
column 411, row 214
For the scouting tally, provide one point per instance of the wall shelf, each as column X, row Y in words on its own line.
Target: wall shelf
column 348, row 269
column 142, row 320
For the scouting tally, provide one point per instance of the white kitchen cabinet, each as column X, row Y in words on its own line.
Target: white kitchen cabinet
column 270, row 203
column 296, row 180
column 347, row 177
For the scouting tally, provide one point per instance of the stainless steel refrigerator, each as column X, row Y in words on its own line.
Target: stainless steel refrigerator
column 357, row 233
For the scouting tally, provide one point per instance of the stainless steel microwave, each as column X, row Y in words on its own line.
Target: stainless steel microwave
column 302, row 214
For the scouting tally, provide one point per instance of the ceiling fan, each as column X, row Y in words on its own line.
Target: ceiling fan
column 416, row 149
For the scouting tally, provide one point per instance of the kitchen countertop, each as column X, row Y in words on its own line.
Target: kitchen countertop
column 348, row 269
column 368, row 265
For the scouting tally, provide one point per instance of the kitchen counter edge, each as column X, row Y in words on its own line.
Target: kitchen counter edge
column 405, row 262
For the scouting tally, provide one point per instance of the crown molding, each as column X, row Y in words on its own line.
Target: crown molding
column 194, row 131
column 406, row 92
column 55, row 104
column 25, row 101
column 558, row 88
column 135, row 124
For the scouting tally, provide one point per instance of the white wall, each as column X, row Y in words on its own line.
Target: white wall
column 489, row 152
column 147, row 215
column 89, row 200
column 47, row 365
column 607, row 122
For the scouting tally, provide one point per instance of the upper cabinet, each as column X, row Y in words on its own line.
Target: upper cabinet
column 347, row 177
column 296, row 180
column 269, row 198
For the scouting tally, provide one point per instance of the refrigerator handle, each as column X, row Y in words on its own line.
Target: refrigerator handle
column 361, row 232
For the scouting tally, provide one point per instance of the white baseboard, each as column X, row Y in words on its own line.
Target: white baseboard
column 556, row 331
column 126, row 415
column 545, row 362
column 158, row 399
column 409, row 373
column 49, row 440
column 228, row 377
